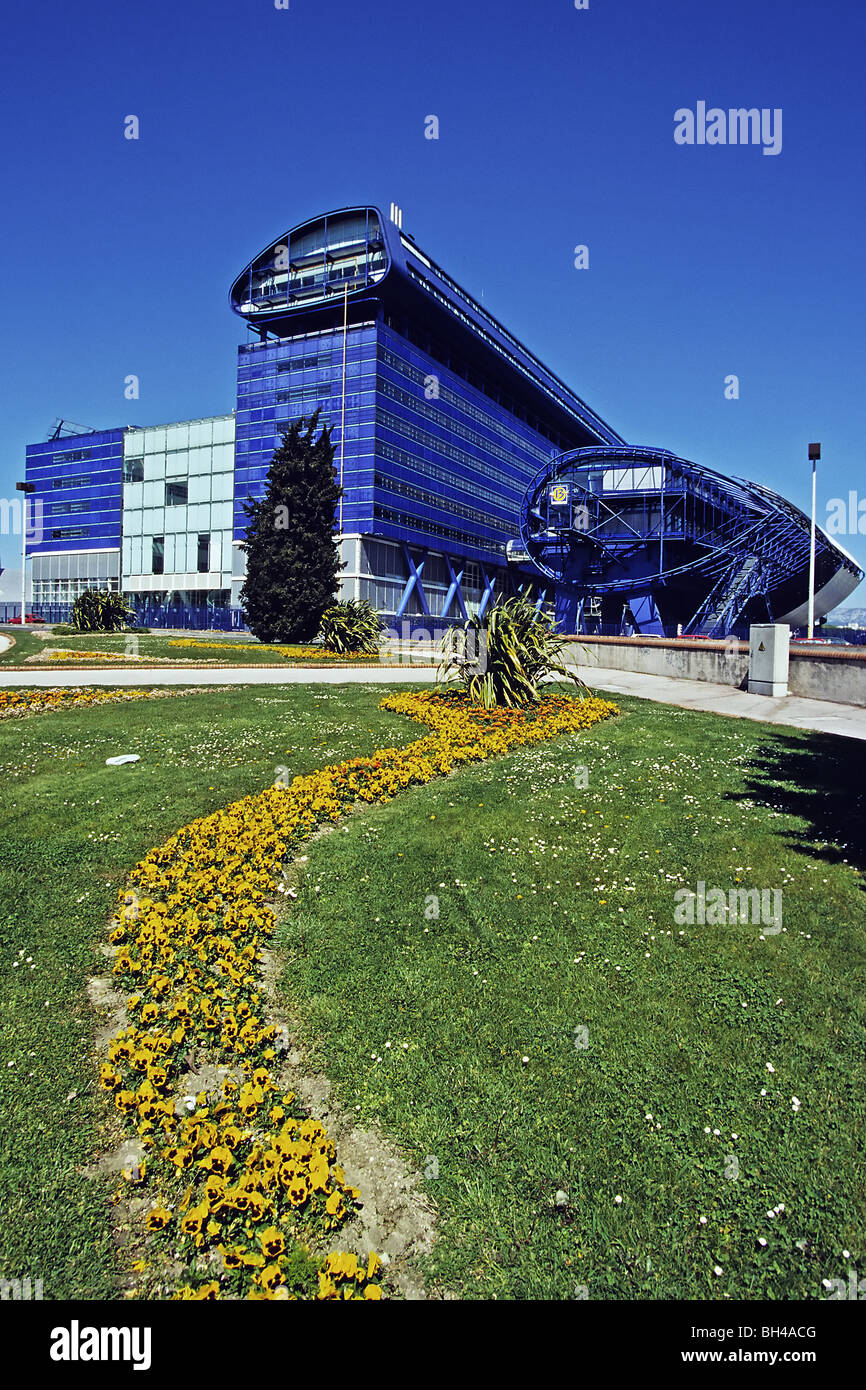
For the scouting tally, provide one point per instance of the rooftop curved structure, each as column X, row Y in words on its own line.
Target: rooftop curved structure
column 641, row 539
column 357, row 258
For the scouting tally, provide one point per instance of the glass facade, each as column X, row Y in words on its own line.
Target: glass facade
column 177, row 510
column 278, row 382
column 431, row 459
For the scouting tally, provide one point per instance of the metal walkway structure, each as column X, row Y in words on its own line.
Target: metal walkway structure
column 640, row 538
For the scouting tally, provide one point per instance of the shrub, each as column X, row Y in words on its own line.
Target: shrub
column 502, row 658
column 352, row 626
column 98, row 611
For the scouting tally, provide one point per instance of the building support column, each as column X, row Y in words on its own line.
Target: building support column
column 413, row 582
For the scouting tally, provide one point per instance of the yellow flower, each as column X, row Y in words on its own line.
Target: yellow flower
column 180, row 1157
column 219, row 1160
column 271, row 1276
column 335, row 1206
column 192, row 1223
column 158, row 1218
column 206, row 1292
column 272, row 1242
column 233, row 1256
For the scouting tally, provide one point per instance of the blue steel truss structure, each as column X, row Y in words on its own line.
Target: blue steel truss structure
column 641, row 539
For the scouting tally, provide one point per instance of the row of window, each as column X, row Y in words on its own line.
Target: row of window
column 72, row 456
column 441, row 446
column 83, row 480
column 446, row 475
column 324, row 396
column 303, row 364
column 416, row 374
column 329, row 383
column 176, row 492
column 435, row 528
column 431, row 499
column 445, row 422
column 360, row 332
column 68, row 590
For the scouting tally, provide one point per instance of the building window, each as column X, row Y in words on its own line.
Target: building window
column 83, row 480
column 176, row 494
column 72, row 456
column 133, row 471
column 157, row 563
column 204, row 554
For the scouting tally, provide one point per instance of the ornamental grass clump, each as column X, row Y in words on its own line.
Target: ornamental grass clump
column 353, row 626
column 245, row 1185
column 502, row 657
column 97, row 611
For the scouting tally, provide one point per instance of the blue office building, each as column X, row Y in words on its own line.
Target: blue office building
column 76, row 534
column 440, row 416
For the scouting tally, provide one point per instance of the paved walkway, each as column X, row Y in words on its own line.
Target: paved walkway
column 214, row 675
column 821, row 715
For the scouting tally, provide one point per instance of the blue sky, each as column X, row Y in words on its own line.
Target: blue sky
column 556, row 129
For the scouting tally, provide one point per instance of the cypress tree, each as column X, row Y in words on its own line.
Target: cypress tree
column 292, row 553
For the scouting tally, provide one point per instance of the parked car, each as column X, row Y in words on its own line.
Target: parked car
column 30, row 618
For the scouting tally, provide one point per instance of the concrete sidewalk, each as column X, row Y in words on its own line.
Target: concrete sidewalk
column 820, row 715
column 40, row 677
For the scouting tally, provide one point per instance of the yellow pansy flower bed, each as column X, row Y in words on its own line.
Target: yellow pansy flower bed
column 246, row 1185
column 67, row 654
column 19, row 702
column 299, row 653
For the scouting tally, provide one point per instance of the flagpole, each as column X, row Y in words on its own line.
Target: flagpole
column 343, row 418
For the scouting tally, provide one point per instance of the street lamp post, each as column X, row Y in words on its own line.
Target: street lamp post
column 26, row 488
column 814, row 455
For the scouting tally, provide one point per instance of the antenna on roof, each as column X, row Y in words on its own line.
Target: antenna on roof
column 65, row 429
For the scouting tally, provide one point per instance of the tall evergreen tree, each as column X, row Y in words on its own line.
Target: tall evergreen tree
column 292, row 554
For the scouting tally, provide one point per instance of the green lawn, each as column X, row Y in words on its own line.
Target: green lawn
column 503, row 914
column 72, row 829
column 26, row 644
column 242, row 649
column 555, row 1031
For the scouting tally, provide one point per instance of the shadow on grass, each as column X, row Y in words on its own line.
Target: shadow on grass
column 820, row 779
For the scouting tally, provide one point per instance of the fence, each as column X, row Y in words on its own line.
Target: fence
column 201, row 618
column 198, row 619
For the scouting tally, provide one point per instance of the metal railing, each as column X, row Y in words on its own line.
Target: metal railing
column 186, row 616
